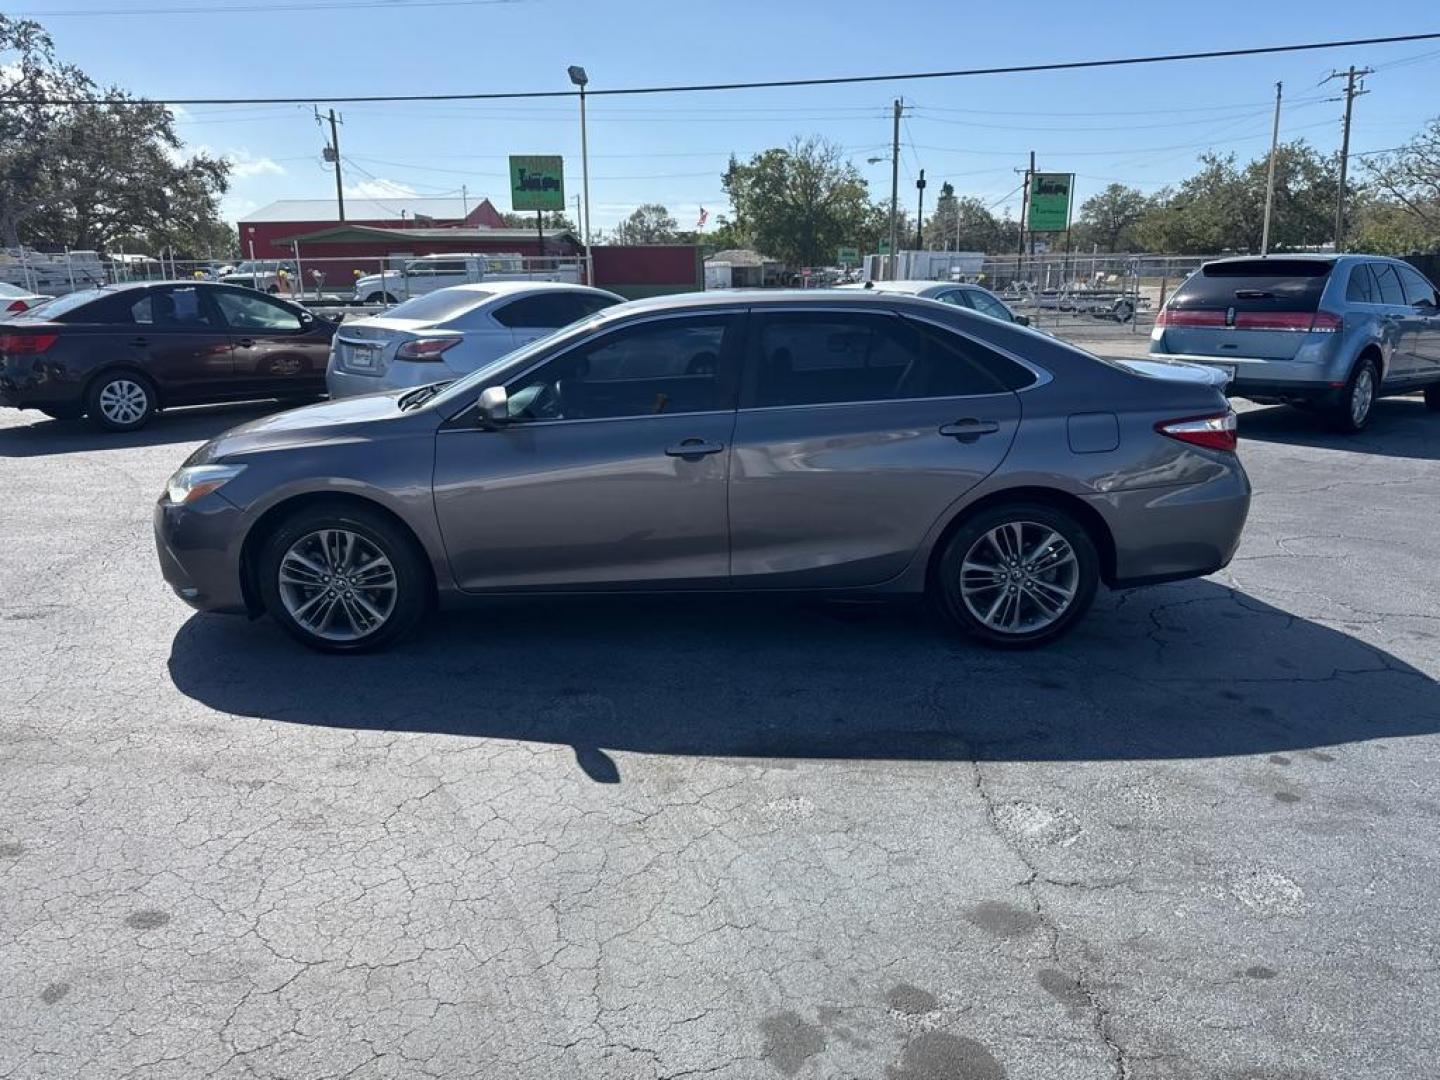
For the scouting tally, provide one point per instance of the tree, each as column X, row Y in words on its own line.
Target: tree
column 799, row 203
column 1402, row 212
column 649, row 224
column 1109, row 218
column 965, row 223
column 1222, row 207
column 93, row 176
column 553, row 219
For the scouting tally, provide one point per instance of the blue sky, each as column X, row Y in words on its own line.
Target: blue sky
column 1142, row 126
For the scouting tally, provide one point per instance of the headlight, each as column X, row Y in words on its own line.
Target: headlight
column 196, row 481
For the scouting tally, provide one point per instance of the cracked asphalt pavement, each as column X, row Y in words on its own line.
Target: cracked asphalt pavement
column 668, row 838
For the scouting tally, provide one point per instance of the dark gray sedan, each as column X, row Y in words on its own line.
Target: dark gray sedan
column 849, row 443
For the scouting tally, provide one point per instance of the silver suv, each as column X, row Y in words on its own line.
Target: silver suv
column 1321, row 331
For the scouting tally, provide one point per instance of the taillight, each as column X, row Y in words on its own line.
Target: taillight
column 26, row 344
column 1327, row 322
column 1181, row 317
column 1215, row 431
column 1323, row 322
column 18, row 305
column 424, row 349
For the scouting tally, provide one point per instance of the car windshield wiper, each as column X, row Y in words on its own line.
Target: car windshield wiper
column 416, row 398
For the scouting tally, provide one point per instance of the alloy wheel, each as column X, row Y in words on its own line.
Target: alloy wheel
column 337, row 584
column 123, row 402
column 1362, row 396
column 1019, row 577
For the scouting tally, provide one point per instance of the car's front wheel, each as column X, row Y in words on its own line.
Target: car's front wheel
column 342, row 578
column 121, row 401
column 380, row 298
column 1018, row 575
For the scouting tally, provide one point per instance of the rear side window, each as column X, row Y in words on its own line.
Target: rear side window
column 545, row 311
column 1389, row 284
column 1255, row 285
column 439, row 306
column 1361, row 287
column 963, row 366
column 988, row 305
column 1417, row 289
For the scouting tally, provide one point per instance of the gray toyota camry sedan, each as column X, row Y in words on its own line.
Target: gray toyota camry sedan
column 844, row 443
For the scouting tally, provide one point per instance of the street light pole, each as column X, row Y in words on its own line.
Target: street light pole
column 1270, row 176
column 920, row 214
column 580, row 79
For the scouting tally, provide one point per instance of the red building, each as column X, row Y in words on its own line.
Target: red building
column 267, row 233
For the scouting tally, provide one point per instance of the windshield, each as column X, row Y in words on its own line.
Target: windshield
column 469, row 387
column 439, row 306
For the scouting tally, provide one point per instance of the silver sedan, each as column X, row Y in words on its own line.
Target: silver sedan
column 451, row 332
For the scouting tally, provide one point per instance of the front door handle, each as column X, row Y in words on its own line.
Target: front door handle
column 694, row 448
column 969, row 429
column 139, row 342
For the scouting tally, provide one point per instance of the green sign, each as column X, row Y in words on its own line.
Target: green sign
column 884, row 247
column 849, row 256
column 1050, row 202
column 537, row 182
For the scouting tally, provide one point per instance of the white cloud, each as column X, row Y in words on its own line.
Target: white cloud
column 243, row 165
column 379, row 188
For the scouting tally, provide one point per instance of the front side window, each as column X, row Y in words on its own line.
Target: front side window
column 1417, row 289
column 174, row 308
column 988, row 305
column 244, row 312
column 653, row 368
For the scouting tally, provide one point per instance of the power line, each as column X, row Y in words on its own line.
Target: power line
column 770, row 84
column 280, row 5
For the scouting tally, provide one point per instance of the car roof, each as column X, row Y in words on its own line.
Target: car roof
column 501, row 288
column 914, row 287
column 729, row 298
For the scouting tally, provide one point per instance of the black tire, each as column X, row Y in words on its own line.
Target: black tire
column 1082, row 581
column 1345, row 414
column 120, row 400
column 380, row 298
column 62, row 412
column 1432, row 397
column 411, row 576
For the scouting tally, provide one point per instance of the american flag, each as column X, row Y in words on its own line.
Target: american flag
column 704, row 217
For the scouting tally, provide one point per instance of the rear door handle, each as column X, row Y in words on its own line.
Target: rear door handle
column 139, row 342
column 694, row 448
column 969, row 430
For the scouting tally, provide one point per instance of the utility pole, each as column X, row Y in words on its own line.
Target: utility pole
column 1270, row 176
column 1030, row 183
column 464, row 201
column 920, row 214
column 1351, row 93
column 332, row 154
column 1024, row 213
column 895, row 194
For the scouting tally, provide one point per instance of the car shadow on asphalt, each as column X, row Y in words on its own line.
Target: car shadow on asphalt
column 44, row 437
column 1399, row 427
column 1191, row 670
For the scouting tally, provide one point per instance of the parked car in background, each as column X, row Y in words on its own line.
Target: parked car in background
column 1318, row 331
column 431, row 272
column 850, row 442
column 973, row 297
column 16, row 298
column 119, row 353
column 272, row 276
column 453, row 331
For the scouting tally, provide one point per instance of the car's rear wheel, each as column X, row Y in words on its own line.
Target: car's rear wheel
column 1018, row 575
column 380, row 298
column 1432, row 398
column 1352, row 408
column 121, row 401
column 341, row 578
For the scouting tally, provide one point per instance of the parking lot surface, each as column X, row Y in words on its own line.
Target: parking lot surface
column 1200, row 838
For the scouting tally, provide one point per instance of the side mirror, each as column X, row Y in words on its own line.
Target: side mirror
column 494, row 407
column 1022, row 320
column 307, row 317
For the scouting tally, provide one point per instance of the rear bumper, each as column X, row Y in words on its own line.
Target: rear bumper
column 1165, row 534
column 397, row 376
column 34, row 387
column 1259, row 377
column 199, row 551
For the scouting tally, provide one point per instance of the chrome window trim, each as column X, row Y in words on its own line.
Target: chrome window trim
column 527, row 424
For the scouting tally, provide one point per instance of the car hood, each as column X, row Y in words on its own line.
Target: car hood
column 352, row 419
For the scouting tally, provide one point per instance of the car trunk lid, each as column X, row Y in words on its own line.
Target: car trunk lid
column 1257, row 308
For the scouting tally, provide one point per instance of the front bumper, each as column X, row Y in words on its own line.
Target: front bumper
column 199, row 550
